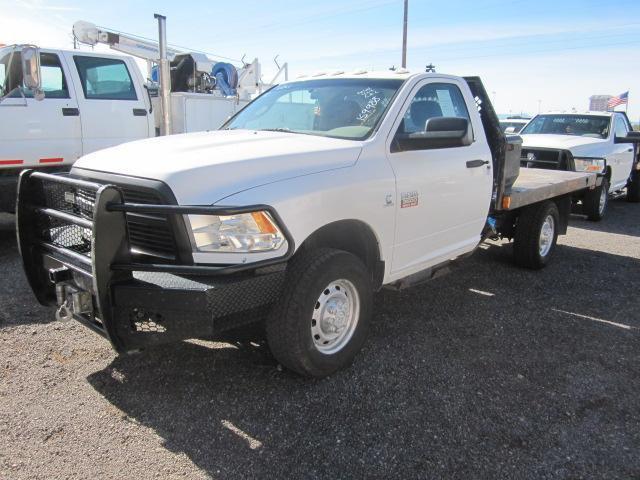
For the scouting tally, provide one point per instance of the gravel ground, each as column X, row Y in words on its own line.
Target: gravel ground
column 489, row 372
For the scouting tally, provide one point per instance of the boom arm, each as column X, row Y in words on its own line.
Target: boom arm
column 90, row 34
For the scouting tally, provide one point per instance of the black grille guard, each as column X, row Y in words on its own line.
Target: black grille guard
column 109, row 261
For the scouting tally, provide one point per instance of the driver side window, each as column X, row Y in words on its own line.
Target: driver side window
column 434, row 100
column 621, row 127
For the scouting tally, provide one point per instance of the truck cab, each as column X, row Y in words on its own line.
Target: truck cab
column 86, row 101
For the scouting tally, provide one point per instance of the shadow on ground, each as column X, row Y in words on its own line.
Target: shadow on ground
column 621, row 218
column 488, row 372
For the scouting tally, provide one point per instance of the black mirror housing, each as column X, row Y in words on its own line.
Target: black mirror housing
column 632, row 137
column 439, row 132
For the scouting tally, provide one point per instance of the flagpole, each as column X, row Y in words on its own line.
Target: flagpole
column 626, row 105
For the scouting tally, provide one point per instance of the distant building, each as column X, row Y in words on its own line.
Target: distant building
column 598, row 103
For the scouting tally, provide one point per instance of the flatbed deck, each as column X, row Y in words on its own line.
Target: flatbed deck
column 536, row 184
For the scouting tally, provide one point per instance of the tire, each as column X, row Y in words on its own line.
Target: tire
column 528, row 249
column 633, row 189
column 595, row 202
column 319, row 283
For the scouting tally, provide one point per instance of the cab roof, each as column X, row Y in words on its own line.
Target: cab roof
column 587, row 112
column 400, row 73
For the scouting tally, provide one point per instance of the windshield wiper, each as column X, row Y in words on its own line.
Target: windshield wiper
column 280, row 129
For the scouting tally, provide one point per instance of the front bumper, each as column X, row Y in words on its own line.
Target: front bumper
column 95, row 280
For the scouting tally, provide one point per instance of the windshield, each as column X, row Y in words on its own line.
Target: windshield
column 339, row 108
column 594, row 126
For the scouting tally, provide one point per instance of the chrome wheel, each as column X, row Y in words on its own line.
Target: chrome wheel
column 603, row 200
column 547, row 233
column 335, row 316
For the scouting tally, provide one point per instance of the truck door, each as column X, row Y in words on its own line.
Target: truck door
column 623, row 154
column 111, row 98
column 443, row 194
column 36, row 133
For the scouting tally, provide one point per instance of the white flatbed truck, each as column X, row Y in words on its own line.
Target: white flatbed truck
column 317, row 194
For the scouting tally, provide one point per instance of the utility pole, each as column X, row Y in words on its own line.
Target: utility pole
column 165, row 75
column 404, row 34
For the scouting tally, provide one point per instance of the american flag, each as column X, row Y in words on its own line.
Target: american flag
column 621, row 99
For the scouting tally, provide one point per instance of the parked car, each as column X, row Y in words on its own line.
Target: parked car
column 513, row 125
column 602, row 142
column 314, row 196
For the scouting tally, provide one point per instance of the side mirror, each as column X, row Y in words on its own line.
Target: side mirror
column 31, row 71
column 632, row 137
column 439, row 132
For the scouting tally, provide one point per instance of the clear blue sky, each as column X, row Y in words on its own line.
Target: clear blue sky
column 556, row 51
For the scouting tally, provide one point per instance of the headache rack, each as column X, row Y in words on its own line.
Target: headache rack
column 71, row 228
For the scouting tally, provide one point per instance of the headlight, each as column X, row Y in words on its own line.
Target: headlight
column 242, row 233
column 596, row 165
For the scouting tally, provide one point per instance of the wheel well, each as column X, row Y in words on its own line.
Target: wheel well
column 352, row 236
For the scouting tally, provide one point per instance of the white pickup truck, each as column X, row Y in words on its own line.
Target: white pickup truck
column 317, row 194
column 88, row 101
column 602, row 142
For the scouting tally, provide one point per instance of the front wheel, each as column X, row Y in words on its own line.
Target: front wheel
column 595, row 201
column 321, row 322
column 536, row 235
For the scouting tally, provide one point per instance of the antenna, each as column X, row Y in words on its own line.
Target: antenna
column 404, row 34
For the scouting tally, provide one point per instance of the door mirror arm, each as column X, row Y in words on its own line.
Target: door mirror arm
column 146, row 87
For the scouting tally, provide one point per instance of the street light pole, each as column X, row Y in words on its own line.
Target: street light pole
column 404, row 34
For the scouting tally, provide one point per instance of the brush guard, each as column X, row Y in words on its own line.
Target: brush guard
column 77, row 256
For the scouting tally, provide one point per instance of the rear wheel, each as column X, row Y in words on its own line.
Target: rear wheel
column 595, row 201
column 633, row 189
column 536, row 235
column 322, row 320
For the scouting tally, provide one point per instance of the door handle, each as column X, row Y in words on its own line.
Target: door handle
column 630, row 150
column 70, row 112
column 139, row 112
column 477, row 163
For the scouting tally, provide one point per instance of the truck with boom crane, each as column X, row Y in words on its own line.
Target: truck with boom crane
column 75, row 102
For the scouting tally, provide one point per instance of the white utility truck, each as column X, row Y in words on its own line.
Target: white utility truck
column 601, row 142
column 57, row 105
column 315, row 195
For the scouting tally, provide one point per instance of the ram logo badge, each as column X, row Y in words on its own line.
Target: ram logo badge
column 531, row 157
column 409, row 199
column 70, row 197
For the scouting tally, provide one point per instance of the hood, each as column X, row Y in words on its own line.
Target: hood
column 202, row 168
column 564, row 142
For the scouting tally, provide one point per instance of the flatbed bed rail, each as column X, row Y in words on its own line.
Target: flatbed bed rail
column 536, row 185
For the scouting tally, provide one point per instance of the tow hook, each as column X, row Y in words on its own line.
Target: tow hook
column 63, row 314
column 72, row 301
